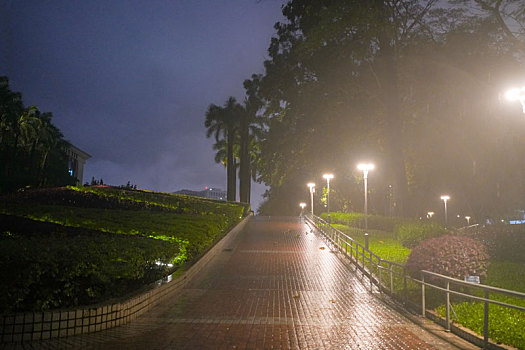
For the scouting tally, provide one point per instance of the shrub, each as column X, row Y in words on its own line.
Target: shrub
column 375, row 222
column 411, row 234
column 504, row 242
column 453, row 256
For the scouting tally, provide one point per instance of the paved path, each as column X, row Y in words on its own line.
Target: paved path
column 277, row 286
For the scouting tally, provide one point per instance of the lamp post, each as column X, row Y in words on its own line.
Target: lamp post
column 311, row 185
column 517, row 94
column 365, row 168
column 302, row 205
column 445, row 198
column 468, row 220
column 430, row 214
column 328, row 177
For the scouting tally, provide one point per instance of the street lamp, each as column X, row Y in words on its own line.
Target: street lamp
column 445, row 198
column 302, row 205
column 311, row 185
column 328, row 177
column 430, row 214
column 365, row 168
column 516, row 94
column 468, row 220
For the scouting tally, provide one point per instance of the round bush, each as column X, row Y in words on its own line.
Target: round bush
column 453, row 256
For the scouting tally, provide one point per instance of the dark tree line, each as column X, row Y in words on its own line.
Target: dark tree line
column 32, row 149
column 411, row 85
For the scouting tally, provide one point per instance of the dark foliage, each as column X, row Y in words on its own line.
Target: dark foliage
column 45, row 265
column 449, row 255
column 32, row 149
column 504, row 242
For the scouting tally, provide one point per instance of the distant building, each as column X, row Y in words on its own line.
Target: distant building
column 76, row 160
column 208, row 192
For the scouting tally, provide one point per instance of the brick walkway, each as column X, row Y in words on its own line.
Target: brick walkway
column 277, row 286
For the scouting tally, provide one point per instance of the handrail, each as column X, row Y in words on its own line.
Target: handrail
column 364, row 257
column 475, row 285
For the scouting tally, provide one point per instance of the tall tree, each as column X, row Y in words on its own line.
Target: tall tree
column 250, row 128
column 509, row 15
column 223, row 123
column 405, row 83
column 333, row 65
column 32, row 149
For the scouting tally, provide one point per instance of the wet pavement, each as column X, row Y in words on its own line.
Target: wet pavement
column 276, row 286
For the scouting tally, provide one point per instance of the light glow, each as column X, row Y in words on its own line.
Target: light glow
column 365, row 167
column 515, row 94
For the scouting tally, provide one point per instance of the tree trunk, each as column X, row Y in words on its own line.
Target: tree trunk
column 230, row 168
column 394, row 121
column 244, row 172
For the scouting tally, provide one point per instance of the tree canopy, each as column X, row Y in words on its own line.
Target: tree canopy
column 410, row 85
column 32, row 149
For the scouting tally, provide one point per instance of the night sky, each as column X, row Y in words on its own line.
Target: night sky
column 129, row 81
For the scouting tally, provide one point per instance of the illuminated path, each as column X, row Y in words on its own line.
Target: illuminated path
column 277, row 286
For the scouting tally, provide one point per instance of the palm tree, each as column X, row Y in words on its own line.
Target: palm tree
column 250, row 128
column 223, row 122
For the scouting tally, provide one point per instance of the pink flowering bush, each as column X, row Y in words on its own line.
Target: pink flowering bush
column 453, row 256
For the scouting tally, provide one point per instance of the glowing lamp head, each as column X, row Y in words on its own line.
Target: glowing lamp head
column 302, row 205
column 328, row 176
column 365, row 167
column 515, row 94
column 445, row 197
column 311, row 185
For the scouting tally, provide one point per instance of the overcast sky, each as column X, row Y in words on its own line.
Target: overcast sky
column 129, row 81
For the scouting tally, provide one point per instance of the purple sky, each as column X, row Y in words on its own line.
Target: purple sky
column 129, row 81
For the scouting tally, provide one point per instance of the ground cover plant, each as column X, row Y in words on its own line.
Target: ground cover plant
column 74, row 246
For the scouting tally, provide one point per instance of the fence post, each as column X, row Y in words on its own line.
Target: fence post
column 379, row 268
column 391, row 281
column 366, row 241
column 405, row 296
column 486, row 322
column 448, row 307
column 423, row 306
column 363, row 260
column 370, row 272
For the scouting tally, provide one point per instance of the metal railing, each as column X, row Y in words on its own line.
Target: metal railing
column 392, row 278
